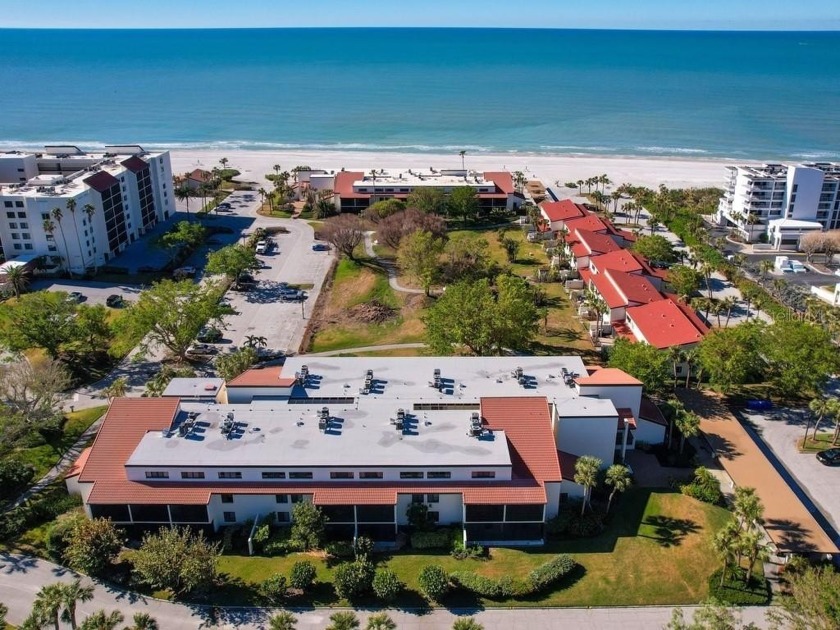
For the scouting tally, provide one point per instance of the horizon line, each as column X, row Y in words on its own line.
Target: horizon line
column 436, row 27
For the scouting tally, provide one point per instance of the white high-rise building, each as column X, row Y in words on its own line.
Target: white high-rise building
column 81, row 209
column 781, row 201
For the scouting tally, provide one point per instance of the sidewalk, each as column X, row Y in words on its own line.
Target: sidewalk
column 21, row 577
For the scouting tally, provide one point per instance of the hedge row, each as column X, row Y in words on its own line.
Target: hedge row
column 438, row 539
column 540, row 579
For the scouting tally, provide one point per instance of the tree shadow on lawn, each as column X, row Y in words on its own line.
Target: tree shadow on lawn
column 668, row 531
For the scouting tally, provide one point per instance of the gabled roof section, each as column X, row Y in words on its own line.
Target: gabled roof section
column 606, row 376
column 527, row 425
column 263, row 377
column 503, row 181
column 126, row 421
column 200, row 175
column 590, row 222
column 665, row 324
column 563, row 210
column 592, row 242
column 79, row 464
column 101, row 181
column 343, row 186
column 620, row 260
column 634, row 288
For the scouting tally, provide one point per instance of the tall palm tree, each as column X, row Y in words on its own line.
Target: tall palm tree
column 765, row 267
column 90, row 210
column 72, row 594
column 343, row 620
column 587, row 468
column 380, row 621
column 373, row 177
column 580, row 184
column 183, row 193
column 747, row 507
column 462, row 153
column 57, row 214
column 284, row 620
column 753, row 545
column 144, row 621
column 653, row 224
column 820, row 407
column 690, row 357
column 728, row 303
column 18, row 277
column 618, row 477
column 725, row 543
column 71, row 206
column 48, row 604
column 100, row 620
column 224, row 162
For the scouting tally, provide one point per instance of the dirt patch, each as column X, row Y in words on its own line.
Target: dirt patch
column 373, row 312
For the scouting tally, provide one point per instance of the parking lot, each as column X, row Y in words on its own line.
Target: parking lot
column 92, row 292
column 780, row 430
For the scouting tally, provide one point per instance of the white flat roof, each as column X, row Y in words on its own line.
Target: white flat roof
column 194, row 387
column 793, row 224
column 409, row 379
column 424, row 177
column 276, row 434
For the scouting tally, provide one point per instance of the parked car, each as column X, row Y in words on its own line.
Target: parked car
column 245, row 278
column 184, row 272
column 293, row 296
column 209, row 334
column 75, row 296
column 201, row 349
column 759, row 404
column 262, row 247
column 320, row 247
column 114, row 300
column 829, row 457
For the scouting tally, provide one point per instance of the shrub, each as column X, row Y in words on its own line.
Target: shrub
column 15, row 475
column 92, row 545
column 353, row 579
column 280, row 543
column 58, row 535
column 586, row 525
column 343, row 620
column 466, row 623
column 418, row 516
column 386, row 585
column 462, row 552
column 551, row 572
column 307, row 525
column 705, row 487
column 559, row 525
column 434, row 582
column 340, row 549
column 261, row 536
column 503, row 588
column 363, row 547
column 177, row 559
column 303, row 575
column 438, row 539
column 273, row 589
column 736, row 592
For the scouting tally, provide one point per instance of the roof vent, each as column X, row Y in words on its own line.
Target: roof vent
column 324, row 419
column 437, row 383
column 228, row 424
column 475, row 425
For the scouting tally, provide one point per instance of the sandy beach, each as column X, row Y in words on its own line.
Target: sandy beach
column 651, row 172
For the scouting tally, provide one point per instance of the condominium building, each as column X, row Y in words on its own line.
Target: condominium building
column 781, row 201
column 354, row 190
column 80, row 209
column 490, row 443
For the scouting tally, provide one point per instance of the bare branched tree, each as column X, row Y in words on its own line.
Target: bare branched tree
column 35, row 391
column 344, row 232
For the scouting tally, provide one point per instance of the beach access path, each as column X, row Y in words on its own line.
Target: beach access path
column 22, row 576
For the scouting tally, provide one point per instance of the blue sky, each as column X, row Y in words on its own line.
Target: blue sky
column 668, row 14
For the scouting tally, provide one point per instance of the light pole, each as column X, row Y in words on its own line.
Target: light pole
column 302, row 314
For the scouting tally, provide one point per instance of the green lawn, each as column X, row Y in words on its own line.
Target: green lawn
column 656, row 550
column 44, row 456
column 821, row 443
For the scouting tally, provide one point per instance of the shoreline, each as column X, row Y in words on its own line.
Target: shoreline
column 651, row 171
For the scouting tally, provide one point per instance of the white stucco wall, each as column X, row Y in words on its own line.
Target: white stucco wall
column 622, row 396
column 588, row 436
column 649, row 432
column 450, row 508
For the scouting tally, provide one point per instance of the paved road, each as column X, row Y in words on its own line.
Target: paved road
column 21, row 577
column 93, row 292
column 780, row 431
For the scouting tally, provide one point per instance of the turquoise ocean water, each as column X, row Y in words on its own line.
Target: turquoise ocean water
column 700, row 94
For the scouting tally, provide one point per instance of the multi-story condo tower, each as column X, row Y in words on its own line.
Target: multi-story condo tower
column 81, row 209
column 781, row 201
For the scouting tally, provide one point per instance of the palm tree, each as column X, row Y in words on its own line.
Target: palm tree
column 753, row 544
column 57, row 214
column 89, row 209
column 343, row 620
column 71, row 594
column 184, row 193
column 820, row 407
column 765, row 267
column 758, row 303
column 224, row 162
column 653, row 224
column 462, row 153
column 690, row 358
column 18, row 277
column 618, row 477
column 615, row 196
column 747, row 507
column 675, row 353
column 586, row 475
column 143, row 621
column 466, row 623
column 707, row 270
column 834, row 412
column 580, row 184
column 728, row 303
column 253, row 341
column 380, row 621
column 116, row 389
column 725, row 542
column 100, row 620
column 49, row 230
column 71, row 206
column 284, row 620
column 277, row 168
column 688, row 423
column 48, row 603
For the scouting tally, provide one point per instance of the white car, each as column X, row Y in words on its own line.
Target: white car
column 262, row 247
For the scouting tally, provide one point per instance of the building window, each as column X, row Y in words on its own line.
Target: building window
column 230, row 475
column 283, row 517
column 157, row 474
column 230, row 517
column 27, row 246
column 370, row 475
column 436, row 474
column 192, row 475
column 411, row 475
column 298, row 498
column 300, row 475
column 227, row 498
column 281, row 498
column 26, row 236
column 418, row 498
column 12, row 225
column 433, row 516
column 24, row 225
column 274, row 475
column 432, row 498
column 52, row 248
column 483, row 474
column 341, row 475
column 15, row 236
column 17, row 245
column 45, row 216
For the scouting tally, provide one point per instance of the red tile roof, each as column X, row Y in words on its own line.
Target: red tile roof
column 563, row 210
column 527, row 425
column 101, row 181
column 649, row 411
column 625, row 417
column 567, row 465
column 590, row 222
column 634, row 288
column 343, row 186
column 664, row 324
column 79, row 464
column 263, row 377
column 503, row 181
column 135, row 164
column 593, row 242
column 620, row 260
column 621, row 329
column 200, row 175
column 606, row 376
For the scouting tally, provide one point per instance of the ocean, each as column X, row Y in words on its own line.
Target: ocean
column 748, row 95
